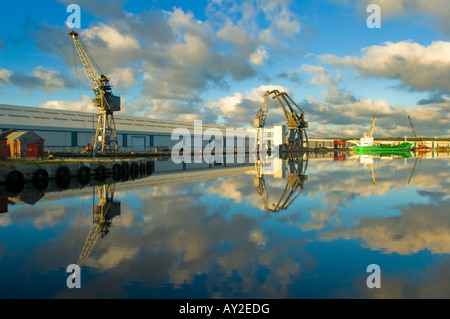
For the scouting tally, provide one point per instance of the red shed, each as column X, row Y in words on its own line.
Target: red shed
column 25, row 145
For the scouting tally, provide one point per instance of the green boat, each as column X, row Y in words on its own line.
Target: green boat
column 405, row 146
column 367, row 146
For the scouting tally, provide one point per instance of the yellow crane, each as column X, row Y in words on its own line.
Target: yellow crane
column 373, row 125
column 105, row 139
column 295, row 119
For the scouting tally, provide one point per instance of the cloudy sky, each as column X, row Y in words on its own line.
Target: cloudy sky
column 214, row 59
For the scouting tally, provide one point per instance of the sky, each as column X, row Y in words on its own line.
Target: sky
column 213, row 60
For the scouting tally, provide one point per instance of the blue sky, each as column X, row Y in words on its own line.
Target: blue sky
column 214, row 59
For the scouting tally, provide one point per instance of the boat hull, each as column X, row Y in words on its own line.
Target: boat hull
column 384, row 147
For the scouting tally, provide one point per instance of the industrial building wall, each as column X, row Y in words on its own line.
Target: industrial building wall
column 60, row 140
column 55, row 139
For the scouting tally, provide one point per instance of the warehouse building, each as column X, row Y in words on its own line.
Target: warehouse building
column 71, row 130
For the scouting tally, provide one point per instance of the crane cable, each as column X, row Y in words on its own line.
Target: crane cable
column 90, row 57
column 78, row 82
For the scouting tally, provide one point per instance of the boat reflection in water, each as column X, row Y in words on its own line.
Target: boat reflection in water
column 366, row 158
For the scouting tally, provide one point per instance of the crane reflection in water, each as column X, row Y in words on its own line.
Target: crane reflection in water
column 103, row 214
column 291, row 167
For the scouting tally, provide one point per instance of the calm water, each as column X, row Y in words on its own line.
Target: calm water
column 201, row 231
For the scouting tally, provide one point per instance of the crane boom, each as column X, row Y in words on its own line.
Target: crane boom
column 88, row 67
column 412, row 126
column 373, row 125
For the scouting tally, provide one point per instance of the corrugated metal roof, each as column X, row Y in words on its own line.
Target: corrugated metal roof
column 34, row 117
column 16, row 135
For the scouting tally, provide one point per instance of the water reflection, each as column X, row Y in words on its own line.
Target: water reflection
column 367, row 158
column 106, row 209
column 196, row 231
column 292, row 168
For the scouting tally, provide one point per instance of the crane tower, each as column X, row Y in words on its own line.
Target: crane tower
column 105, row 139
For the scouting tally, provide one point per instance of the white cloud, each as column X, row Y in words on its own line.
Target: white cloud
column 259, row 56
column 229, row 105
column 42, row 78
column 418, row 228
column 282, row 17
column 85, row 105
column 417, row 67
column 4, row 76
column 113, row 257
column 342, row 114
column 353, row 117
column 438, row 10
column 237, row 36
column 321, row 76
column 52, row 80
column 110, row 36
column 240, row 108
column 123, row 78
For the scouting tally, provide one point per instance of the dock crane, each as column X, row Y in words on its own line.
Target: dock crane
column 103, row 214
column 296, row 134
column 105, row 139
column 373, row 125
column 259, row 123
column 420, row 144
column 367, row 139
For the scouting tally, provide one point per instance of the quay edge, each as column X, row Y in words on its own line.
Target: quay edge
column 40, row 173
